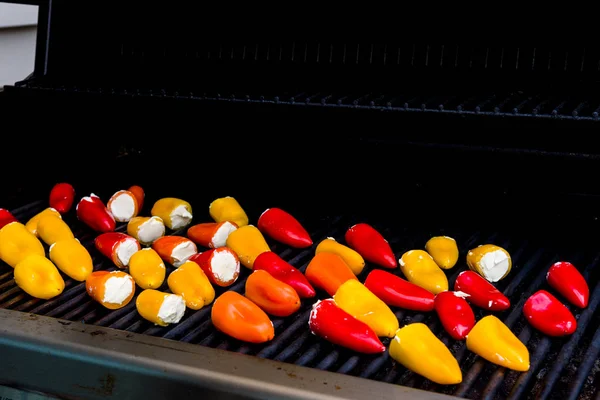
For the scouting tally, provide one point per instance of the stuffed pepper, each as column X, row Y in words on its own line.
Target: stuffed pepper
column 147, row 268
column 123, row 206
column 175, row 249
column 211, row 234
column 191, row 283
column 228, row 209
column 490, row 261
column 117, row 246
column 113, row 290
column 221, row 265
column 175, row 213
column 160, row 308
column 146, row 229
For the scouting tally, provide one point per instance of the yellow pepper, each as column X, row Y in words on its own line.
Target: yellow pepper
column 191, row 283
column 159, row 307
column 419, row 268
column 38, row 277
column 147, row 268
column 419, row 350
column 228, row 209
column 16, row 243
column 248, row 243
column 175, row 213
column 358, row 301
column 32, row 224
column 51, row 229
column 491, row 339
column 490, row 261
column 443, row 250
column 354, row 260
column 72, row 258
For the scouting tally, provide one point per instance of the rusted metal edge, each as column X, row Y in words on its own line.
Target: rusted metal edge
column 74, row 360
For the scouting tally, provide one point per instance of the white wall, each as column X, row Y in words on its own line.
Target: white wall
column 17, row 41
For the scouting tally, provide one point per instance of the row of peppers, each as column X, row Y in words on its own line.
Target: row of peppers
column 358, row 314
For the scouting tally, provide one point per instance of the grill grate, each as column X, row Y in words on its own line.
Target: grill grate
column 560, row 368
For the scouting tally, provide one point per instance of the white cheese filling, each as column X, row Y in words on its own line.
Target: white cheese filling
column 172, row 309
column 224, row 266
column 123, row 207
column 219, row 239
column 494, row 265
column 126, row 249
column 180, row 217
column 117, row 289
column 182, row 252
column 151, row 230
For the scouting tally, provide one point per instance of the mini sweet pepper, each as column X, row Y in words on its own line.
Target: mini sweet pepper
column 62, row 197
column 548, row 315
column 358, row 301
column 285, row 272
column 113, row 290
column 6, row 217
column 123, row 206
column 481, row 292
column 354, row 260
column 39, row 277
column 32, row 224
column 416, row 348
column 335, row 325
column 146, row 229
column 238, row 317
column 191, row 283
column 281, row 226
column 443, row 250
column 175, row 249
column 147, row 268
column 139, row 194
column 160, row 308
column 52, row 229
column 16, row 243
column 175, row 213
column 419, row 268
column 248, row 243
column 211, row 234
column 490, row 261
column 455, row 313
column 72, row 258
column 228, row 209
column 371, row 245
column 92, row 212
column 328, row 271
column 117, row 246
column 568, row 281
column 397, row 292
column 273, row 296
column 492, row 340
column 221, row 265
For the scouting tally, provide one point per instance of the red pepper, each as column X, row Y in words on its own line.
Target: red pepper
column 117, row 246
column 370, row 244
column 221, row 265
column 398, row 292
column 284, row 228
column 92, row 212
column 455, row 313
column 481, row 293
column 62, row 196
column 6, row 217
column 568, row 281
column 335, row 325
column 285, row 272
column 547, row 314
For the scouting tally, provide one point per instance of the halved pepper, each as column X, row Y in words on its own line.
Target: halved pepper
column 147, row 269
column 568, row 281
column 248, row 243
column 17, row 242
column 174, row 212
column 281, row 226
column 113, row 290
column 138, row 193
column 6, row 217
column 62, row 196
column 32, row 224
column 273, row 296
column 72, row 258
column 548, row 315
column 228, row 209
column 454, row 312
column 211, row 234
column 358, row 301
column 335, row 325
column 492, row 340
column 285, row 272
column 146, row 229
column 419, row 268
column 354, row 260
column 52, row 229
column 123, row 206
column 221, row 265
column 481, row 292
column 490, row 261
column 160, row 308
column 370, row 244
column 328, row 271
column 175, row 249
column 420, row 351
column 238, row 317
column 39, row 277
column 117, row 246
column 191, row 283
column 92, row 212
column 443, row 250
column 397, row 292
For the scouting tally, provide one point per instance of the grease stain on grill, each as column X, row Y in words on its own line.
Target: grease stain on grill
column 106, row 388
column 64, row 323
column 97, row 333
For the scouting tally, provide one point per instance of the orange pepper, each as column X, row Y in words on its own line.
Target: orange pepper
column 113, row 290
column 328, row 271
column 238, row 317
column 273, row 296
